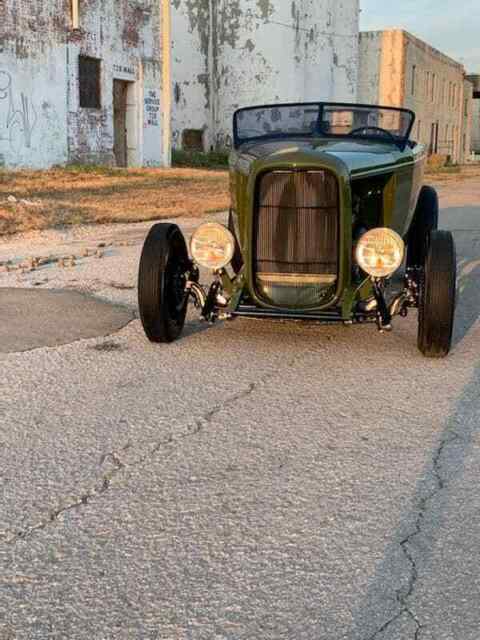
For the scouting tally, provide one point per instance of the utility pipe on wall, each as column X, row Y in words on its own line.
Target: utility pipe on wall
column 166, row 83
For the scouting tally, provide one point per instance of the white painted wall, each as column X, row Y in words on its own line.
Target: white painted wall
column 370, row 56
column 41, row 122
column 261, row 51
column 127, row 38
column 33, row 110
column 191, row 60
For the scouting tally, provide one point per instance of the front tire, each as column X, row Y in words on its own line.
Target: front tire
column 437, row 296
column 162, row 277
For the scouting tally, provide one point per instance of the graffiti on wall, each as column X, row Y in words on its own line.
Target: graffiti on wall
column 18, row 117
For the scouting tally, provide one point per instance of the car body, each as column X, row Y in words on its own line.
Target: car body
column 319, row 191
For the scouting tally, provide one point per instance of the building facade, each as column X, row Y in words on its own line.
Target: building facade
column 397, row 69
column 475, row 81
column 81, row 82
column 227, row 55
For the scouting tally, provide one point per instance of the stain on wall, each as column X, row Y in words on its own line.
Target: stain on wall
column 232, row 53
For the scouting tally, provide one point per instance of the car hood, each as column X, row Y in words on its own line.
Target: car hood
column 359, row 156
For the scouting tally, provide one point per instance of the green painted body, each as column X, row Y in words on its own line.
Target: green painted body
column 362, row 167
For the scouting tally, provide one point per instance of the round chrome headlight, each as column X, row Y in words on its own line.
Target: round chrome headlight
column 212, row 246
column 380, row 252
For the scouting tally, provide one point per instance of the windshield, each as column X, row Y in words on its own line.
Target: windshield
column 386, row 124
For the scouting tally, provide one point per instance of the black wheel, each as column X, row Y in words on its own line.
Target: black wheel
column 437, row 296
column 425, row 220
column 161, row 283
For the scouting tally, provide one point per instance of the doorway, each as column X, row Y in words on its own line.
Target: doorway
column 120, row 137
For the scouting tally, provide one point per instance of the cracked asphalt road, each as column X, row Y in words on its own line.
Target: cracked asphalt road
column 253, row 480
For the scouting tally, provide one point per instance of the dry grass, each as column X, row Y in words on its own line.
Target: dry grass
column 449, row 174
column 39, row 199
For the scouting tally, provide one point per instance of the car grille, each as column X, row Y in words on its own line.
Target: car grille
column 296, row 238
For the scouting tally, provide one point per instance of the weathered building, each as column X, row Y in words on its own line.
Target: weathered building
column 80, row 82
column 232, row 53
column 397, row 69
column 475, row 81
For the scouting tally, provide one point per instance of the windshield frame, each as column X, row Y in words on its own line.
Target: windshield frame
column 399, row 141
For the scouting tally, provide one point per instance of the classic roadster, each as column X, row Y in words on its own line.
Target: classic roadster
column 329, row 222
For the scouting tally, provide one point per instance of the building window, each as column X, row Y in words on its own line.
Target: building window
column 427, row 83
column 89, row 82
column 75, row 14
column 192, row 140
column 434, row 78
column 414, row 78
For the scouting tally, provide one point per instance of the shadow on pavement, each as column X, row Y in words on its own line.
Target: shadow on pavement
column 468, row 301
column 445, row 463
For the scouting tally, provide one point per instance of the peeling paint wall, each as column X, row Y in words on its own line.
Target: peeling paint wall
column 397, row 69
column 125, row 36
column 191, row 53
column 233, row 53
column 41, row 121
column 32, row 84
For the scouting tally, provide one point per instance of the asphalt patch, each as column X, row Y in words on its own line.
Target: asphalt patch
column 32, row 318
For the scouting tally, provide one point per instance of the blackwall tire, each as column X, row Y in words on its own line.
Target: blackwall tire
column 161, row 281
column 437, row 296
column 425, row 221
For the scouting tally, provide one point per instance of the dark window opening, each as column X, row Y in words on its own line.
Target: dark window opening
column 192, row 140
column 89, row 82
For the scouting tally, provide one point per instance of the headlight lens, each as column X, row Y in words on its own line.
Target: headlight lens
column 380, row 252
column 212, row 246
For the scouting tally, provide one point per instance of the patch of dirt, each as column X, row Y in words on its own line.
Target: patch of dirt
column 31, row 200
column 451, row 174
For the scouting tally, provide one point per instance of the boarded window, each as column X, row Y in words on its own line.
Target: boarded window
column 192, row 139
column 89, row 82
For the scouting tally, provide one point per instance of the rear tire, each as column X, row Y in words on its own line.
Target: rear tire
column 437, row 296
column 425, row 221
column 161, row 283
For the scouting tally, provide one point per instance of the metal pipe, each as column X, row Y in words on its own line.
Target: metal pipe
column 166, row 49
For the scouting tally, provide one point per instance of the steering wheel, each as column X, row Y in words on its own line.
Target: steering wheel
column 374, row 129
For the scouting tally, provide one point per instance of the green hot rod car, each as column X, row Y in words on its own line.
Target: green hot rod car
column 329, row 221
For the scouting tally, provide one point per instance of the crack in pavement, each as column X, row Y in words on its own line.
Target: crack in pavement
column 194, row 427
column 404, row 597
